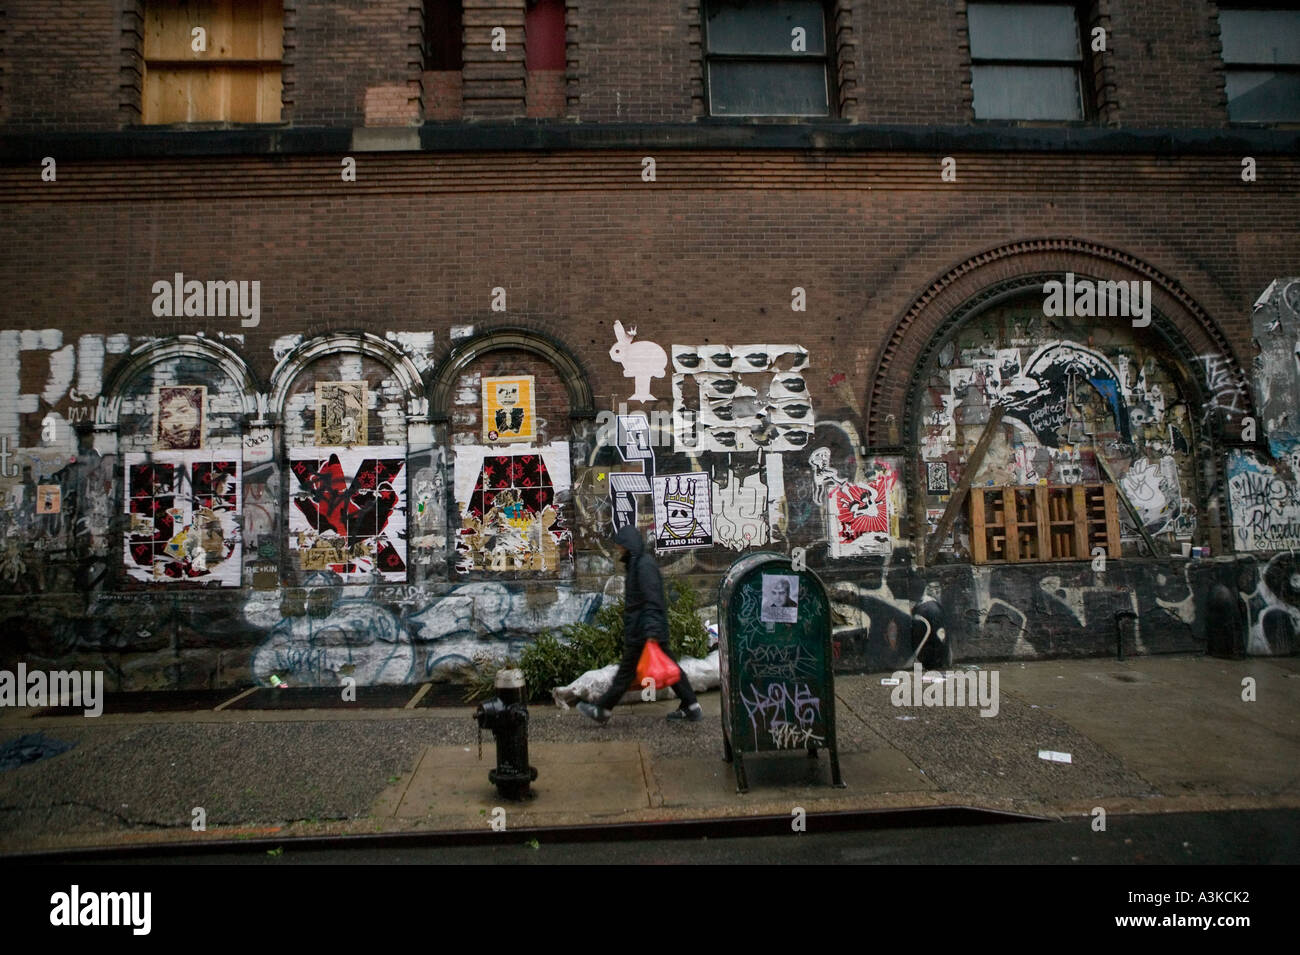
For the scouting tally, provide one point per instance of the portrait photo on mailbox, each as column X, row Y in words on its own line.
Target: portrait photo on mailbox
column 780, row 599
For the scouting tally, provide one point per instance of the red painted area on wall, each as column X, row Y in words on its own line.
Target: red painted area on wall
column 544, row 35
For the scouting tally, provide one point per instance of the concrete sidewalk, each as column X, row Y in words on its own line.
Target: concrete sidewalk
column 1153, row 734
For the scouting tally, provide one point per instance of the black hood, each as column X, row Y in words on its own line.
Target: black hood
column 629, row 537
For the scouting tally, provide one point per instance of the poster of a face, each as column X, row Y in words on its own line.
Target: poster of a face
column 780, row 599
column 48, row 498
column 683, row 511
column 509, row 409
column 341, row 413
column 182, row 411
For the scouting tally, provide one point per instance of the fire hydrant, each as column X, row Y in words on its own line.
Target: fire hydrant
column 507, row 718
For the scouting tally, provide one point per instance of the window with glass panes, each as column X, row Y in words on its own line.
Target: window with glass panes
column 1261, row 59
column 1026, row 61
column 767, row 58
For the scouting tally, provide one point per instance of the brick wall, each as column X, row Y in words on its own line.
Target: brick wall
column 493, row 79
column 550, row 398
column 63, row 64
column 635, row 62
column 1167, row 64
column 578, row 240
column 442, row 94
column 353, row 62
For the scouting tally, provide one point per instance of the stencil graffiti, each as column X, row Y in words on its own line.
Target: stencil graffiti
column 641, row 361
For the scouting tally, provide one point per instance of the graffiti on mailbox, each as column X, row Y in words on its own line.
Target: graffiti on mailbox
column 789, row 714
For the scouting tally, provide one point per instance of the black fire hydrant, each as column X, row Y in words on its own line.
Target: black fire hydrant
column 507, row 718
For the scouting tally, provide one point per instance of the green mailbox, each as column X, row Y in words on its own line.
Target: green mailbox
column 774, row 634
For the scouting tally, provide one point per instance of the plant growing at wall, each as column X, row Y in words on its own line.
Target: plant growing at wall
column 557, row 659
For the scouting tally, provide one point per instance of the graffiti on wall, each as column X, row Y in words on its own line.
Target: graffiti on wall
column 1265, row 505
column 860, row 517
column 341, row 410
column 182, row 418
column 641, row 361
column 347, row 511
column 625, row 487
column 511, row 509
column 509, row 409
column 741, row 398
column 683, row 511
column 182, row 509
column 1065, row 404
column 1275, row 323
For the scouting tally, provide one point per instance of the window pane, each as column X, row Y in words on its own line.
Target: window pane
column 767, row 89
column 1262, row 97
column 442, row 35
column 1016, row 31
column 1260, row 36
column 735, row 26
column 1026, row 92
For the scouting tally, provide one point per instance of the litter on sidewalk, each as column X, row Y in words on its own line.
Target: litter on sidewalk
column 591, row 686
column 1054, row 757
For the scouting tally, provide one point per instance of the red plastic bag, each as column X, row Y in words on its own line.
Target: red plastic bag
column 657, row 665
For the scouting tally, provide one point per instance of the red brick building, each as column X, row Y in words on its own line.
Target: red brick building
column 988, row 308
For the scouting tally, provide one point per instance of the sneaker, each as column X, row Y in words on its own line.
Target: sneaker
column 599, row 714
column 690, row 714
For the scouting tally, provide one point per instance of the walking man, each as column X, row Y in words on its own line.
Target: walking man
column 645, row 617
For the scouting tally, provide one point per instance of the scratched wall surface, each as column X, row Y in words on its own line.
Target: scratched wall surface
column 181, row 527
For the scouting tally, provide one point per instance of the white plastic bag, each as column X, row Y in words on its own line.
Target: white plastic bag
column 593, row 684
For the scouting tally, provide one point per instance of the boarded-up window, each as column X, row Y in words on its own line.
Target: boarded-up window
column 212, row 61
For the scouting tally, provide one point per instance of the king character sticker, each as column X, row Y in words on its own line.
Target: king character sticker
column 683, row 511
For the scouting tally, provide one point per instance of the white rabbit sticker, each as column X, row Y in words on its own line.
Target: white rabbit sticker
column 640, row 360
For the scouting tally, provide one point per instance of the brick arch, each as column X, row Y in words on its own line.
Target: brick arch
column 1005, row 271
column 145, row 356
column 442, row 380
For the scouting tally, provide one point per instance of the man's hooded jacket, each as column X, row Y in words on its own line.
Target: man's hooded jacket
column 645, row 615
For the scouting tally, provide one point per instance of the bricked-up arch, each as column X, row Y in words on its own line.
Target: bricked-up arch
column 325, row 346
column 999, row 273
column 141, row 359
column 442, row 381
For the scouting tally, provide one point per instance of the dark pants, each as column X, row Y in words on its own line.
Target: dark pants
column 626, row 674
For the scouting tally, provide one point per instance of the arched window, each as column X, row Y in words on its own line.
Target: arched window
column 182, row 405
column 508, row 398
column 1061, row 425
column 343, row 403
